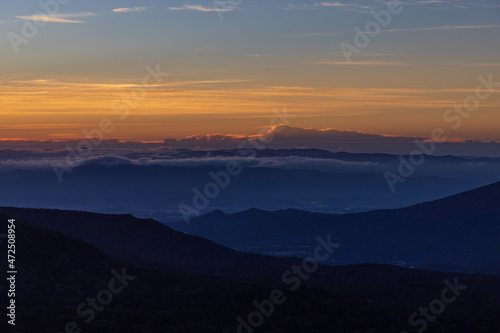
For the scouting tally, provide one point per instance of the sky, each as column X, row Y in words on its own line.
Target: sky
column 67, row 68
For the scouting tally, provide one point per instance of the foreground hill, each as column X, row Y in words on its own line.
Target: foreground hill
column 143, row 241
column 58, row 273
column 457, row 233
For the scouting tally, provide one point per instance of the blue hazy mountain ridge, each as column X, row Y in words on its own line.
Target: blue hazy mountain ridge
column 154, row 183
column 459, row 232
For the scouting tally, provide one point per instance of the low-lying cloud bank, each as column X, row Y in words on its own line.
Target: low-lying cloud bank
column 282, row 162
column 334, row 140
column 286, row 137
column 298, row 159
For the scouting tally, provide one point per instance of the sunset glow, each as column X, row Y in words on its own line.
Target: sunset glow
column 222, row 79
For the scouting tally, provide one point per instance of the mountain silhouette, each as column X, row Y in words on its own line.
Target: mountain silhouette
column 459, row 232
column 58, row 273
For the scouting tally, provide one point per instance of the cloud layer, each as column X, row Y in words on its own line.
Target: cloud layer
column 277, row 137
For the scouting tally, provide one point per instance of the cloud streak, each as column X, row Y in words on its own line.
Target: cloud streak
column 448, row 27
column 200, row 8
column 318, row 5
column 361, row 63
column 70, row 17
column 129, row 10
column 58, row 18
column 437, row 28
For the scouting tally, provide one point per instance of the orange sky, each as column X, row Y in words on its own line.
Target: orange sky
column 56, row 108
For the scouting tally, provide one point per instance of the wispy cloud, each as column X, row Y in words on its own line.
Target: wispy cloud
column 92, row 85
column 321, row 34
column 479, row 64
column 448, row 27
column 317, row 5
column 129, row 10
column 361, row 63
column 70, row 17
column 454, row 4
column 439, row 28
column 257, row 55
column 200, row 8
column 426, row 2
column 58, row 18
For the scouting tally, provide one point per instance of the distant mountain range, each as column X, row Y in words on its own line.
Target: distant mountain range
column 457, row 233
column 152, row 184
